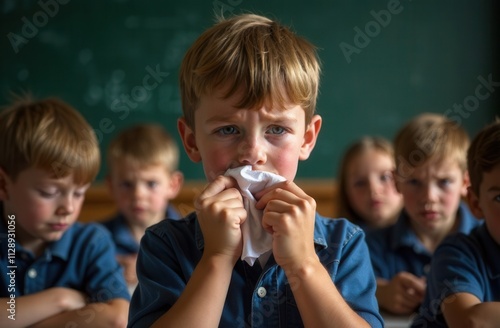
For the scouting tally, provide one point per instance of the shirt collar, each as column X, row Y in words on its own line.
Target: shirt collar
column 466, row 221
column 123, row 235
column 172, row 213
column 402, row 235
column 62, row 247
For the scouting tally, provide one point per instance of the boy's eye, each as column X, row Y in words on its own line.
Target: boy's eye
column 78, row 194
column 444, row 182
column 227, row 130
column 496, row 198
column 152, row 184
column 386, row 177
column 47, row 194
column 276, row 130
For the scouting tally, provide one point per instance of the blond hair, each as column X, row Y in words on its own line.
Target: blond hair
column 355, row 149
column 430, row 137
column 143, row 145
column 255, row 54
column 48, row 134
column 484, row 154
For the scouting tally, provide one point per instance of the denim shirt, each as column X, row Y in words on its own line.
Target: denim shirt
column 125, row 242
column 397, row 248
column 461, row 264
column 257, row 297
column 83, row 259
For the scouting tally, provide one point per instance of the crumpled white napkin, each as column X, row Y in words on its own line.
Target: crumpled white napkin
column 256, row 240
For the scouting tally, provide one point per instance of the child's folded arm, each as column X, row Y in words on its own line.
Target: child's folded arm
column 95, row 315
column 32, row 308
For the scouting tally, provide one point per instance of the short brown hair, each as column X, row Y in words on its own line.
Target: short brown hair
column 144, row 144
column 48, row 134
column 483, row 154
column 250, row 52
column 358, row 147
column 430, row 137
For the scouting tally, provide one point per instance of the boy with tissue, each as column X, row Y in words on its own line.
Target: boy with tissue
column 254, row 253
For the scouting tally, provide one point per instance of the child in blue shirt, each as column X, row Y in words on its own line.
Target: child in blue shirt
column 142, row 179
column 249, row 88
column 431, row 174
column 463, row 288
column 55, row 271
column 367, row 192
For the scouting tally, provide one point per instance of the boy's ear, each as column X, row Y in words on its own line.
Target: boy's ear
column 473, row 201
column 4, row 180
column 310, row 137
column 175, row 184
column 466, row 185
column 188, row 140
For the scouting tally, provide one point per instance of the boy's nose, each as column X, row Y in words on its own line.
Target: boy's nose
column 430, row 192
column 251, row 152
column 374, row 186
column 139, row 190
column 67, row 205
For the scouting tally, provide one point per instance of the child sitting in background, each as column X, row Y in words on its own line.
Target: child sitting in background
column 64, row 273
column 142, row 179
column 463, row 288
column 367, row 193
column 431, row 174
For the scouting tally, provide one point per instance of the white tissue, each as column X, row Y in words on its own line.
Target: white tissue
column 256, row 240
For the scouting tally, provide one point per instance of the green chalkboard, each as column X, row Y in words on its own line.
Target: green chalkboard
column 383, row 61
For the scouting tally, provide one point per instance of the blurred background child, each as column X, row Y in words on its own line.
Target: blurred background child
column 62, row 272
column 463, row 288
column 431, row 174
column 143, row 177
column 367, row 193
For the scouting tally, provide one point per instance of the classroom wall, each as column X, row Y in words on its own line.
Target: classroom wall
column 383, row 61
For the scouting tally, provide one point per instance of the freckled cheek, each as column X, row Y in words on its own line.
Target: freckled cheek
column 217, row 162
column 451, row 201
column 78, row 205
column 39, row 212
column 158, row 200
column 284, row 162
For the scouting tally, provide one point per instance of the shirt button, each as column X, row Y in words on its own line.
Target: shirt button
column 261, row 292
column 32, row 273
column 427, row 268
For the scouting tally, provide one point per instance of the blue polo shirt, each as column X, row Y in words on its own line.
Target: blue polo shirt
column 125, row 242
column 257, row 297
column 461, row 264
column 83, row 259
column 397, row 248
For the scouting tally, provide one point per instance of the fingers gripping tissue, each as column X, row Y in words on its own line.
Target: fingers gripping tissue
column 256, row 241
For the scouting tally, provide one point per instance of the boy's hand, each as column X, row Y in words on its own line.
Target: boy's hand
column 403, row 293
column 69, row 299
column 128, row 262
column 289, row 216
column 220, row 214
